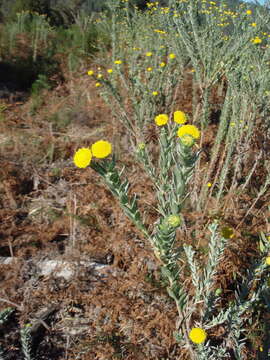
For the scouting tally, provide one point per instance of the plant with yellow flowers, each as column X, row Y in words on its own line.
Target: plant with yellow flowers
column 140, row 85
column 170, row 179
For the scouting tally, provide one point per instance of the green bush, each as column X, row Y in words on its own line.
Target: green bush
column 39, row 6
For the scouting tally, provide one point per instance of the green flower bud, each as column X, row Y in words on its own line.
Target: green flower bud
column 218, row 291
column 173, row 220
column 141, row 146
column 187, row 140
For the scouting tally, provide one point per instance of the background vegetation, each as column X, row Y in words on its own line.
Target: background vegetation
column 219, row 75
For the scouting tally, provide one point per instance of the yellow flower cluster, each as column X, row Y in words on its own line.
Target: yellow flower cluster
column 189, row 130
column 179, row 117
column 197, row 335
column 161, row 119
column 100, row 149
column 187, row 133
column 256, row 40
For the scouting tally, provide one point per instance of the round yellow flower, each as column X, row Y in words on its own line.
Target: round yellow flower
column 98, row 84
column 248, row 12
column 109, row 71
column 227, row 232
column 90, row 72
column 254, row 24
column 257, row 40
column 267, row 260
column 189, row 130
column 197, row 335
column 172, row 56
column 82, row 157
column 161, row 119
column 149, row 53
column 99, row 76
column 149, row 69
column 162, row 64
column 179, row 117
column 155, row 93
column 118, row 62
column 209, row 184
column 101, row 149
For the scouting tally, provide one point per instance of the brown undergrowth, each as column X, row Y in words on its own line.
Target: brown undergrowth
column 51, row 210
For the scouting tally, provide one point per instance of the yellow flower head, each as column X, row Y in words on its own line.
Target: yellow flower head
column 248, row 12
column 161, row 119
column 189, row 130
column 253, row 24
column 118, row 62
column 99, row 76
column 267, row 260
column 82, row 157
column 90, row 72
column 149, row 69
column 209, row 184
column 109, row 71
column 257, row 40
column 179, row 117
column 162, row 64
column 197, row 335
column 172, row 56
column 155, row 93
column 98, row 84
column 101, row 149
column 149, row 53
column 227, row 232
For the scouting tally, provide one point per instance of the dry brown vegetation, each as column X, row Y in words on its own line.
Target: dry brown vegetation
column 50, row 210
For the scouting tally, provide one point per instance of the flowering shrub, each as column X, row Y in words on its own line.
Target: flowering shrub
column 143, row 84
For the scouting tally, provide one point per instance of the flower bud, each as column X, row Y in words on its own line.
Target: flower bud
column 187, row 140
column 218, row 291
column 141, row 146
column 173, row 220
